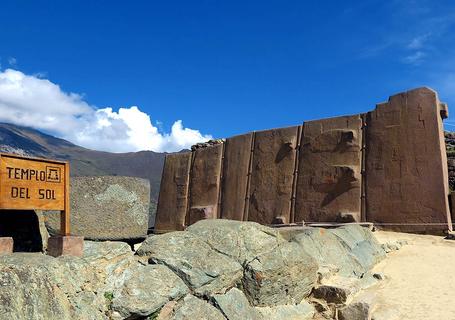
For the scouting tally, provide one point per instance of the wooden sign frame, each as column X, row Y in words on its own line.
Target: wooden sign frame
column 36, row 178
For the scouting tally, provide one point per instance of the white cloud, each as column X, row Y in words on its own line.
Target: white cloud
column 12, row 61
column 29, row 100
column 416, row 58
column 418, row 42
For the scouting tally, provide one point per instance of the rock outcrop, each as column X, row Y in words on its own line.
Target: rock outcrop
column 217, row 269
column 107, row 208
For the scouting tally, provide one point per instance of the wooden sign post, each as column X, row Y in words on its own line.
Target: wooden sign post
column 35, row 184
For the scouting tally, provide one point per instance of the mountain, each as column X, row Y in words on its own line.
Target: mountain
column 84, row 162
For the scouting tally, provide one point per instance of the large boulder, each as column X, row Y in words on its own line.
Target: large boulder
column 107, row 208
column 204, row 270
column 275, row 270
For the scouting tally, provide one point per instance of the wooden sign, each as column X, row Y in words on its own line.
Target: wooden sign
column 35, row 184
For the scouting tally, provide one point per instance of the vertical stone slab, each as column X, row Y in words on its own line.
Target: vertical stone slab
column 237, row 153
column 329, row 181
column 406, row 164
column 173, row 198
column 272, row 175
column 205, row 183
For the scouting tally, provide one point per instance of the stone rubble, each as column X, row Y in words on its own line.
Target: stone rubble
column 206, row 144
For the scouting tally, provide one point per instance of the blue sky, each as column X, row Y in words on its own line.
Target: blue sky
column 228, row 67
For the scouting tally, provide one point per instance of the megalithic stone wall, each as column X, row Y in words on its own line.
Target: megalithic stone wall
column 205, row 184
column 387, row 166
column 329, row 182
column 236, row 169
column 406, row 163
column 173, row 197
column 272, row 175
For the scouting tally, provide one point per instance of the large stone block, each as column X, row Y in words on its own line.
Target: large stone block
column 236, row 164
column 406, row 164
column 330, row 159
column 272, row 175
column 173, row 199
column 205, row 183
column 107, row 208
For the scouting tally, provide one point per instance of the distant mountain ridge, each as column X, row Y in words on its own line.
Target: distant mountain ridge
column 84, row 162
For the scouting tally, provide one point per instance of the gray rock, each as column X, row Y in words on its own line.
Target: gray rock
column 361, row 244
column 193, row 308
column 234, row 305
column 112, row 261
column 107, row 208
column 203, row 269
column 341, row 290
column 329, row 251
column 147, row 290
column 275, row 271
column 285, row 275
column 347, row 251
column 34, row 286
column 242, row 241
column 393, row 245
column 333, row 294
column 355, row 311
column 302, row 311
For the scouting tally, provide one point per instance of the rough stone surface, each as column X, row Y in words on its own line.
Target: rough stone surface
column 355, row 311
column 193, row 308
column 273, row 175
column 34, row 286
column 234, row 305
column 348, row 251
column 236, row 165
column 275, row 271
column 203, row 269
column 361, row 244
column 285, row 275
column 330, row 162
column 173, row 198
column 107, row 208
column 406, row 164
column 147, row 290
column 241, row 241
column 302, row 311
column 184, row 275
column 205, row 183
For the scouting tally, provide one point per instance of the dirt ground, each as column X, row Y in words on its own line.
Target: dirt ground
column 420, row 277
